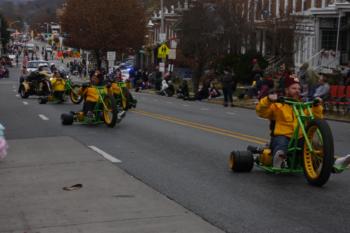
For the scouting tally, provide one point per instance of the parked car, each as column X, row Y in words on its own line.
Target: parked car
column 34, row 65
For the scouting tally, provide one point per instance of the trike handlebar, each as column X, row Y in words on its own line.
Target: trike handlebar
column 291, row 101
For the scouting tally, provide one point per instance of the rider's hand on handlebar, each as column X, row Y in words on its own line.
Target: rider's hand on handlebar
column 273, row 97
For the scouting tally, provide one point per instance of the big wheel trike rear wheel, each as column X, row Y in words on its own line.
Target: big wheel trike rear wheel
column 241, row 161
column 110, row 111
column 67, row 118
column 319, row 162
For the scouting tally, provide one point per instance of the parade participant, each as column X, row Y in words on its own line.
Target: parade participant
column 284, row 121
column 115, row 90
column 131, row 102
column 283, row 118
column 90, row 95
column 58, row 86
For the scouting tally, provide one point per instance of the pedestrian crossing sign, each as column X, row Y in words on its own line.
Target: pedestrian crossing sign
column 163, row 51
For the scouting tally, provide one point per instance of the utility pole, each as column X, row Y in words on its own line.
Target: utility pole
column 338, row 37
column 162, row 30
column 162, row 16
column 0, row 37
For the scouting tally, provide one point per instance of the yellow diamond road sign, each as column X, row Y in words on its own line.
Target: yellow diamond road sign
column 163, row 51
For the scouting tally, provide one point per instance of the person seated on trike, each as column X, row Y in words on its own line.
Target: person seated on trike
column 116, row 91
column 90, row 95
column 131, row 101
column 58, row 86
column 283, row 121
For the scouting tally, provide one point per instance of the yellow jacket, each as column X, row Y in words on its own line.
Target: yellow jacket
column 283, row 115
column 115, row 89
column 89, row 93
column 58, row 84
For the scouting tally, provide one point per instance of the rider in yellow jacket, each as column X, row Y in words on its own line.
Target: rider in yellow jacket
column 282, row 115
column 90, row 95
column 283, row 119
column 58, row 86
column 115, row 90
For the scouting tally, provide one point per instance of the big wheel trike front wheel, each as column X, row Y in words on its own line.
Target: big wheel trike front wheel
column 110, row 111
column 318, row 160
column 74, row 96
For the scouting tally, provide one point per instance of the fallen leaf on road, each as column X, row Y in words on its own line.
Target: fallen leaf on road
column 73, row 187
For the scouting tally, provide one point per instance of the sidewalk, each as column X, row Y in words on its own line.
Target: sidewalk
column 32, row 199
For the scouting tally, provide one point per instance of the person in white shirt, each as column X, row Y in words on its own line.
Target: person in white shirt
column 322, row 90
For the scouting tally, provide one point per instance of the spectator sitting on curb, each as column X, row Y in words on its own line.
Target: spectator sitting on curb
column 309, row 78
column 322, row 90
column 213, row 91
column 182, row 92
column 202, row 93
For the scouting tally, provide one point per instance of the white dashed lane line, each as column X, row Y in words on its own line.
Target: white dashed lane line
column 231, row 113
column 17, row 95
column 43, row 117
column 105, row 155
column 25, row 103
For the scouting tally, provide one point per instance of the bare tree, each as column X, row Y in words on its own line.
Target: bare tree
column 200, row 37
column 235, row 25
column 117, row 25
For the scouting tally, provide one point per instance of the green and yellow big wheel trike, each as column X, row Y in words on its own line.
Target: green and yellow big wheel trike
column 105, row 112
column 70, row 89
column 315, row 158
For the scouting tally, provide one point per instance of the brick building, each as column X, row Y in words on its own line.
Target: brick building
column 153, row 40
column 318, row 38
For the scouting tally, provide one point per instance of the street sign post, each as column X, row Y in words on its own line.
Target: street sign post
column 162, row 37
column 111, row 56
column 163, row 51
column 162, row 67
column 172, row 54
column 173, row 44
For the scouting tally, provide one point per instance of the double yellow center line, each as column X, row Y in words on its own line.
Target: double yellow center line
column 203, row 127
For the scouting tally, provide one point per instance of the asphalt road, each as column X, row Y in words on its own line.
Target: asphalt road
column 181, row 149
